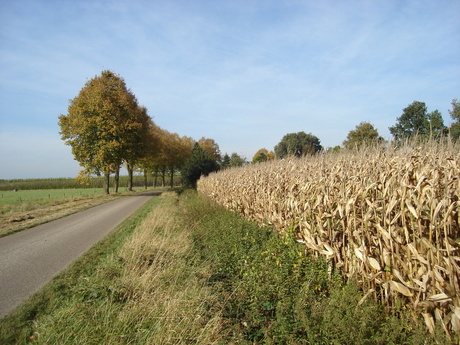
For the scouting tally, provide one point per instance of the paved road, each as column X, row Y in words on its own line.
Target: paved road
column 30, row 258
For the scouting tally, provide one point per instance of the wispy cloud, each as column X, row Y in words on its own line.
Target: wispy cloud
column 244, row 73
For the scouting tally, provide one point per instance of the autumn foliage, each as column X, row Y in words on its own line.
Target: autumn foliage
column 107, row 128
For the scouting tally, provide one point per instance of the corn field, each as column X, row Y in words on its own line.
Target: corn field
column 387, row 217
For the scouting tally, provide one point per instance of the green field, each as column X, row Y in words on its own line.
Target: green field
column 45, row 195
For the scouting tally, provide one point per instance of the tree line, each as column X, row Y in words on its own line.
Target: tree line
column 415, row 121
column 107, row 129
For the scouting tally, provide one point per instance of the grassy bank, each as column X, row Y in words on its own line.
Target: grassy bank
column 185, row 271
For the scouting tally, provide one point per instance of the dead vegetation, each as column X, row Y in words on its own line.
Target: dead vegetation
column 388, row 217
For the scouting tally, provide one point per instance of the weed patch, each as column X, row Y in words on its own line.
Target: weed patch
column 272, row 291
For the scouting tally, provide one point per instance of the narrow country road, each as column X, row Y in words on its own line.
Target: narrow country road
column 30, row 258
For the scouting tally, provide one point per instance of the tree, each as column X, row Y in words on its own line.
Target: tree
column 102, row 125
column 138, row 141
column 153, row 151
column 455, row 115
column 298, row 144
column 200, row 163
column 416, row 121
column 236, row 160
column 364, row 134
column 210, row 146
column 225, row 161
column 263, row 155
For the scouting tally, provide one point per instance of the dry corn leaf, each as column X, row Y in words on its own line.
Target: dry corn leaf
column 455, row 321
column 398, row 287
column 374, row 263
column 329, row 251
column 429, row 321
column 440, row 297
column 359, row 254
column 412, row 209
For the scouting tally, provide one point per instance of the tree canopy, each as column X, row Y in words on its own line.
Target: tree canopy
column 200, row 163
column 236, row 160
column 263, row 155
column 415, row 120
column 105, row 125
column 455, row 115
column 364, row 134
column 211, row 147
column 298, row 144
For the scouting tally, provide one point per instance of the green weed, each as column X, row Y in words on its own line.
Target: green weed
column 273, row 292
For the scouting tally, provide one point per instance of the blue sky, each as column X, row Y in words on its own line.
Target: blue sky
column 244, row 73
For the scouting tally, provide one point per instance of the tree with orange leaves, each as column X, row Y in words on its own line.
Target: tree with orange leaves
column 104, row 126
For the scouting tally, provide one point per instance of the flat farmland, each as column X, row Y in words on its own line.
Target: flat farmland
column 44, row 196
column 23, row 209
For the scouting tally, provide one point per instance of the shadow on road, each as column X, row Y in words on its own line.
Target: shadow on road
column 152, row 192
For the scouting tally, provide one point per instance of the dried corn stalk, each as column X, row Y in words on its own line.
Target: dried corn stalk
column 385, row 216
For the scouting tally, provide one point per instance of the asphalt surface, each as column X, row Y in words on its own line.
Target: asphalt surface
column 30, row 258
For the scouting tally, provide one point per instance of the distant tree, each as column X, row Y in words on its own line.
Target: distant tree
column 103, row 126
column 415, row 120
column 236, row 160
column 263, row 155
column 455, row 115
column 364, row 134
column 225, row 162
column 147, row 163
column 298, row 144
column 200, row 163
column 260, row 156
column 210, row 146
column 178, row 152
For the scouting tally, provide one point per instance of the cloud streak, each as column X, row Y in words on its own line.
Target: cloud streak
column 243, row 73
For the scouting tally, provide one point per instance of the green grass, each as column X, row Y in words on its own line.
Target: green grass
column 44, row 195
column 185, row 271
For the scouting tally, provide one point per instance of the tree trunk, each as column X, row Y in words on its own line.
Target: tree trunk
column 145, row 179
column 117, row 180
column 155, row 178
column 106, row 183
column 130, row 177
column 163, row 177
column 172, row 177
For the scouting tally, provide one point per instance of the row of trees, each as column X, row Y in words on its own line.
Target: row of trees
column 107, row 128
column 414, row 121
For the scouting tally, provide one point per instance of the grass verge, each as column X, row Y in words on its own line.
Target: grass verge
column 185, row 271
column 273, row 292
column 138, row 286
column 25, row 209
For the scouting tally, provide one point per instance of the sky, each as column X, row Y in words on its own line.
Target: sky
column 243, row 73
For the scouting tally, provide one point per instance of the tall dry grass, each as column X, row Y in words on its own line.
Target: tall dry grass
column 162, row 288
column 144, row 287
column 386, row 216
